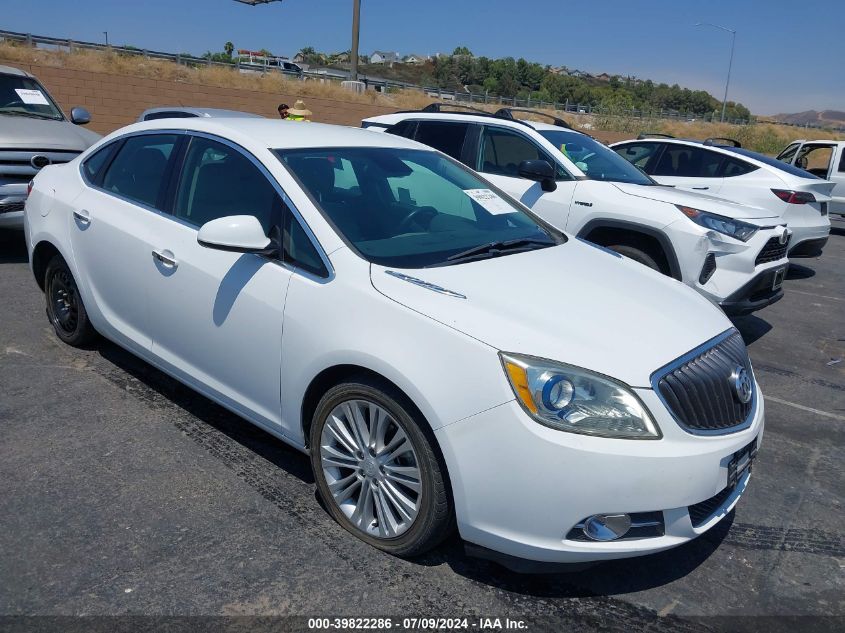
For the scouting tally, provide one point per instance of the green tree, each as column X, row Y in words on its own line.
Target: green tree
column 229, row 48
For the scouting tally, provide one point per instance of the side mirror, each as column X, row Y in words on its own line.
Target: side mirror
column 539, row 171
column 80, row 116
column 236, row 234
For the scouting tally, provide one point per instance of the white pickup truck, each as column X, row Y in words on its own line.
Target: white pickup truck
column 825, row 159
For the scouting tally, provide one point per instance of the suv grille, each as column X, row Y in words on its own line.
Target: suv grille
column 15, row 164
column 699, row 390
column 772, row 251
column 11, row 206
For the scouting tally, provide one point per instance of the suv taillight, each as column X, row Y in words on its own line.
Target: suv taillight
column 794, row 197
column 29, row 187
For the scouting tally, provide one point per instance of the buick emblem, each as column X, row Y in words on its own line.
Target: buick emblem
column 741, row 382
column 784, row 237
column 39, row 160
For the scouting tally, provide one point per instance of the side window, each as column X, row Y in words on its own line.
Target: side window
column 502, row 151
column 685, row 161
column 815, row 159
column 298, row 250
column 138, row 171
column 735, row 167
column 842, row 162
column 445, row 136
column 787, row 154
column 217, row 180
column 405, row 129
column 639, row 155
column 94, row 163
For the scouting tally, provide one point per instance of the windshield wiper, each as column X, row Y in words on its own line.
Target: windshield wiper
column 33, row 115
column 495, row 249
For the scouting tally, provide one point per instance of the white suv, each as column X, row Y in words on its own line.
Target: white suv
column 721, row 167
column 733, row 254
column 387, row 311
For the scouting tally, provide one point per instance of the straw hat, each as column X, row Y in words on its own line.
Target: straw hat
column 299, row 109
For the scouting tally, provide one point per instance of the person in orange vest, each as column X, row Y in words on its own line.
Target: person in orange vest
column 299, row 112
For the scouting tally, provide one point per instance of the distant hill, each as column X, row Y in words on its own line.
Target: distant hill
column 825, row 118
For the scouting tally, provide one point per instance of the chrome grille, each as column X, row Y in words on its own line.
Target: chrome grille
column 15, row 163
column 699, row 391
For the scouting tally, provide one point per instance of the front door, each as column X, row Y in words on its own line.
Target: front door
column 216, row 315
column 501, row 150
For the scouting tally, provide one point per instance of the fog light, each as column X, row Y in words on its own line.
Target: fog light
column 607, row 527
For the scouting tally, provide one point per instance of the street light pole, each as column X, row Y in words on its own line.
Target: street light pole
column 106, row 33
column 356, row 30
column 730, row 62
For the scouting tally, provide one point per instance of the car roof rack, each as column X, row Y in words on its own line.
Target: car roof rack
column 714, row 140
column 507, row 113
column 645, row 135
column 434, row 108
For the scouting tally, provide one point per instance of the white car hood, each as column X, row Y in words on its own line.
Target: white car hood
column 574, row 303
column 719, row 206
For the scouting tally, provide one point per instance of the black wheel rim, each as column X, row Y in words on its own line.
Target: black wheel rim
column 64, row 302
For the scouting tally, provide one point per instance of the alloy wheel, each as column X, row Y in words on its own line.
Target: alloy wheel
column 371, row 468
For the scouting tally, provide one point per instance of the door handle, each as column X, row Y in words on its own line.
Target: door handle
column 166, row 258
column 82, row 216
column 701, row 188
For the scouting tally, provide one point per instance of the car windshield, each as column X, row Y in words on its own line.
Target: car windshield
column 597, row 161
column 411, row 208
column 773, row 162
column 23, row 96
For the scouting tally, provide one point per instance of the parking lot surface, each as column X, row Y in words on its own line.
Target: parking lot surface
column 123, row 492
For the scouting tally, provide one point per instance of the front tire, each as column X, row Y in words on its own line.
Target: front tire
column 377, row 470
column 637, row 255
column 65, row 309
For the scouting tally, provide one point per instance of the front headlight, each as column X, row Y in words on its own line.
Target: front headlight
column 576, row 400
column 735, row 228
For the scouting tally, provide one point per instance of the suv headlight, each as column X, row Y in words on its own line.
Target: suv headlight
column 737, row 229
column 576, row 400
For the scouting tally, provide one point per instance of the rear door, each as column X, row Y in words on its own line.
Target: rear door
column 112, row 222
column 216, row 316
column 837, row 177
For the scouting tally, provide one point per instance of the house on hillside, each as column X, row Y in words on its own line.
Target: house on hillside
column 298, row 58
column 415, row 59
column 603, row 77
column 382, row 57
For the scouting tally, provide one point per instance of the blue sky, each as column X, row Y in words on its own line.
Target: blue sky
column 788, row 55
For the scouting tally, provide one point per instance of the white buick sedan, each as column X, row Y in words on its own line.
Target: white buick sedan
column 444, row 356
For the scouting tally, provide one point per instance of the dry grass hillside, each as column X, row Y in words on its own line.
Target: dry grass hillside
column 763, row 137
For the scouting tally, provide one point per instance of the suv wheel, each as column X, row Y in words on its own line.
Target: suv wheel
column 637, row 255
column 376, row 469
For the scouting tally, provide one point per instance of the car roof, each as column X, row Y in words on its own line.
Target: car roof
column 8, row 70
column 201, row 112
column 276, row 133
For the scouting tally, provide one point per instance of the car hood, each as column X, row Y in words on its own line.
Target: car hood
column 575, row 303
column 701, row 201
column 26, row 133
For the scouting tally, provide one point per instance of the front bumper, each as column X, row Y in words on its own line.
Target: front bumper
column 757, row 293
column 12, row 200
column 520, row 487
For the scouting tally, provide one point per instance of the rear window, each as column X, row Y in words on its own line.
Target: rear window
column 445, row 136
column 772, row 162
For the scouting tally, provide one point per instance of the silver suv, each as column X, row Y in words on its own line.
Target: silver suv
column 34, row 133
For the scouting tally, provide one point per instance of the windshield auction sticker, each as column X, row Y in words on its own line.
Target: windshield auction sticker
column 491, row 202
column 32, row 97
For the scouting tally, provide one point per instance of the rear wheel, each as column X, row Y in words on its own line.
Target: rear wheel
column 637, row 255
column 376, row 468
column 65, row 309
